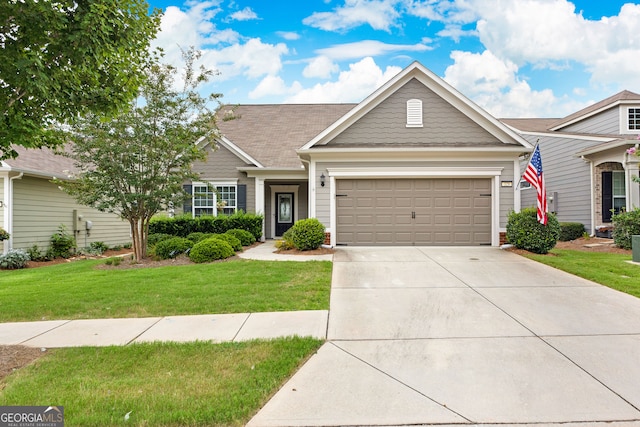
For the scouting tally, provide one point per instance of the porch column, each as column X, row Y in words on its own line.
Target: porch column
column 632, row 186
column 260, row 207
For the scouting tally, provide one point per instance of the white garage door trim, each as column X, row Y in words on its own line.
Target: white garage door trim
column 432, row 172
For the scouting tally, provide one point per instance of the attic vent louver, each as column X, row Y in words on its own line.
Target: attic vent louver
column 414, row 113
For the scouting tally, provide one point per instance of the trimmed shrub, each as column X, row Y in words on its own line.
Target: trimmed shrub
column 231, row 240
column 14, row 259
column 570, row 231
column 62, row 244
column 155, row 238
column 184, row 225
column 307, row 234
column 198, row 236
column 173, row 247
column 625, row 225
column 245, row 237
column 210, row 249
column 525, row 232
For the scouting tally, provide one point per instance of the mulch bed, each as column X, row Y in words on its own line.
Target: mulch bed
column 14, row 357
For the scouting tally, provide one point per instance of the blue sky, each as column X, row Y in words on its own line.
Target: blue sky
column 515, row 58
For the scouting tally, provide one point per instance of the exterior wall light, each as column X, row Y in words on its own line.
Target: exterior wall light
column 322, row 177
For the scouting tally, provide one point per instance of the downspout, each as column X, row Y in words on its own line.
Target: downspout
column 592, row 232
column 8, row 218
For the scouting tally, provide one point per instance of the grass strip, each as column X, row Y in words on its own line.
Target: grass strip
column 160, row 384
column 608, row 269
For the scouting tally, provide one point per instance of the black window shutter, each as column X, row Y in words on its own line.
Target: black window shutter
column 241, row 203
column 186, row 205
column 607, row 196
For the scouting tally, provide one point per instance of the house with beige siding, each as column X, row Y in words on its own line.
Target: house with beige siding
column 588, row 172
column 32, row 208
column 415, row 163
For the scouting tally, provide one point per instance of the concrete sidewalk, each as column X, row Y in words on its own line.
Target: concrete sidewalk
column 206, row 327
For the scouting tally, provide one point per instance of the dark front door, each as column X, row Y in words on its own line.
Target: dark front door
column 284, row 213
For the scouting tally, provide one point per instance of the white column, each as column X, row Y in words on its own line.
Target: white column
column 260, row 208
column 6, row 223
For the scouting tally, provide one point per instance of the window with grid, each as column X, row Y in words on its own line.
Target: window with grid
column 619, row 191
column 634, row 119
column 203, row 200
column 228, row 195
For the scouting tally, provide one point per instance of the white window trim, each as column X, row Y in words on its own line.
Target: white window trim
column 624, row 120
column 214, row 184
column 193, row 198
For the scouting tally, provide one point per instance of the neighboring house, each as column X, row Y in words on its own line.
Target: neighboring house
column 588, row 172
column 32, row 208
column 415, row 163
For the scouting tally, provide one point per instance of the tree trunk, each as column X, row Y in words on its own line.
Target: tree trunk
column 138, row 249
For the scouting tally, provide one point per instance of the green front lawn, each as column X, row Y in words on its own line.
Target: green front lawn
column 77, row 290
column 159, row 384
column 608, row 269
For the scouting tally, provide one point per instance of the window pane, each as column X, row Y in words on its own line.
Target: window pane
column 227, row 194
column 618, row 184
column 202, row 200
column 634, row 118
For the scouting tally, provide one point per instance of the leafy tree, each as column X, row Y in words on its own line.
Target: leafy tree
column 62, row 58
column 134, row 165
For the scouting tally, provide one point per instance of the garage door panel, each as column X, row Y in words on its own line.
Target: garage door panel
column 414, row 211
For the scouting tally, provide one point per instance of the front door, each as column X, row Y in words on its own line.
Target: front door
column 284, row 215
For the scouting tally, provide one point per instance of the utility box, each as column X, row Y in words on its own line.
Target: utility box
column 635, row 248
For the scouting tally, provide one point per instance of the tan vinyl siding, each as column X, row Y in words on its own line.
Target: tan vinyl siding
column 222, row 165
column 40, row 207
column 506, row 193
column 387, row 123
column 606, row 123
column 565, row 174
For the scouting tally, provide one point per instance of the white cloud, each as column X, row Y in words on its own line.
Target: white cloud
column 493, row 84
column 246, row 14
column 362, row 78
column 273, row 85
column 320, row 67
column 288, row 35
column 252, row 59
column 379, row 14
column 368, row 48
column 456, row 32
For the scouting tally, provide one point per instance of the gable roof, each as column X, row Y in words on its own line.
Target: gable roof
column 271, row 133
column 530, row 124
column 598, row 107
column 441, row 88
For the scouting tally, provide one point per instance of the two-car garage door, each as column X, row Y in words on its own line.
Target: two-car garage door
column 451, row 211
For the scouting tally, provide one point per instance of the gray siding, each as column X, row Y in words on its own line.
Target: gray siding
column 40, row 207
column 506, row 194
column 565, row 174
column 386, row 123
column 222, row 164
column 606, row 123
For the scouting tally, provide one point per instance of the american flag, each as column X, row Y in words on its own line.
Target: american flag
column 533, row 175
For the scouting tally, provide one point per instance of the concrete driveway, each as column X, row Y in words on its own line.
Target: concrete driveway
column 465, row 336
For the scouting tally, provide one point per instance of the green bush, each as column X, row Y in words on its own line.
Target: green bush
column 62, row 244
column 14, row 259
column 198, row 236
column 307, row 234
column 35, row 254
column 210, row 250
column 173, row 247
column 625, row 225
column 245, row 237
column 155, row 238
column 525, row 232
column 97, row 248
column 231, row 240
column 570, row 231
column 184, row 225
